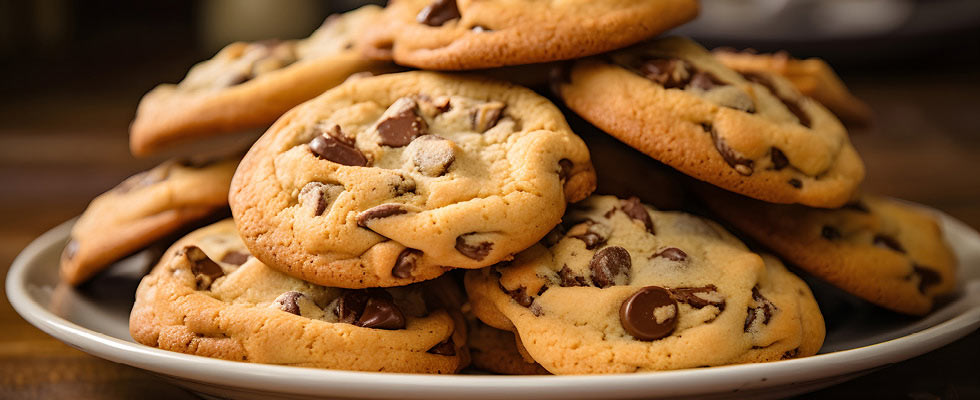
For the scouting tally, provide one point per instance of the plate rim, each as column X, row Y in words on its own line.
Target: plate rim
column 312, row 381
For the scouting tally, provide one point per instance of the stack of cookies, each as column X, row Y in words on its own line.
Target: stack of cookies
column 424, row 221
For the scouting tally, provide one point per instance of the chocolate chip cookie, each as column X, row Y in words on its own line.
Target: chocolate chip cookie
column 498, row 351
column 621, row 287
column 672, row 100
column 813, row 77
column 394, row 179
column 466, row 35
column 248, row 85
column 208, row 296
column 142, row 209
column 886, row 251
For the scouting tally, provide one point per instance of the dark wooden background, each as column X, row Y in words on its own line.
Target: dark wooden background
column 65, row 105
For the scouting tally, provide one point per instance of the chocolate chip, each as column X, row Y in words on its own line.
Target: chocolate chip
column 699, row 297
column 444, row 348
column 569, row 278
column 888, row 242
column 335, row 132
column 564, row 169
column 669, row 73
column 378, row 212
column 318, row 196
column 792, row 105
column 405, row 263
column 486, row 115
column 790, row 354
column 637, row 211
column 350, row 305
column 70, row 250
column 649, row 314
column 589, row 232
column 235, row 257
column 336, row 151
column 741, row 165
column 796, row 183
column 672, row 254
column 432, row 155
column 927, row 277
column 779, row 160
column 401, row 123
column 704, row 81
column 519, row 295
column 204, row 269
column 438, row 12
column 761, row 307
column 289, row 302
column 381, row 313
column 830, row 233
column 476, row 251
column 609, row 264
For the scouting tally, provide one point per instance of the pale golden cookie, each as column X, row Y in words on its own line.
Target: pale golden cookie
column 672, row 100
column 627, row 288
column 394, row 179
column 209, row 297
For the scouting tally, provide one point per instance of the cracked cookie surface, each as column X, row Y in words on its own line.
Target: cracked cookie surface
column 394, row 179
column 248, row 85
column 672, row 100
column 624, row 288
column 142, row 209
column 208, row 296
column 886, row 251
column 466, row 35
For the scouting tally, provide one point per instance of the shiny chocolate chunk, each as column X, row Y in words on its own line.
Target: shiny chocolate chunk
column 289, row 302
column 699, row 297
column 469, row 247
column 444, row 348
column 519, row 295
column 205, row 270
column 331, row 149
column 401, row 123
column 637, row 211
column 438, row 12
column 380, row 312
column 235, row 257
column 486, row 115
column 609, row 265
column 672, row 254
column 351, row 304
column 649, row 314
column 432, row 155
column 318, row 196
column 405, row 263
column 378, row 212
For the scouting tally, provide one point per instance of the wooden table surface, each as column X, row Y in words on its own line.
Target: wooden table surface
column 63, row 144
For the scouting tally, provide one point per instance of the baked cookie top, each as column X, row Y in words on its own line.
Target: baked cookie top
column 886, row 251
column 389, row 180
column 209, row 297
column 466, row 34
column 142, row 209
column 249, row 85
column 671, row 99
column 627, row 288
column 813, row 77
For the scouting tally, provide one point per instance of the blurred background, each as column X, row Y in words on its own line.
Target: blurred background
column 72, row 72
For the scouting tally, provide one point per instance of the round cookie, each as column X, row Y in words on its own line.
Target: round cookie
column 142, row 209
column 628, row 288
column 495, row 350
column 209, row 297
column 813, row 77
column 393, row 179
column 467, row 35
column 248, row 85
column 885, row 251
column 672, row 100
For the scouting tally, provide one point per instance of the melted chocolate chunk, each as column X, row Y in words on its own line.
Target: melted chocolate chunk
column 350, row 305
column 318, row 196
column 331, row 149
column 205, row 270
column 405, row 263
column 438, row 12
column 888, row 242
column 289, row 302
column 519, row 295
column 649, row 314
column 635, row 210
column 432, row 154
column 486, row 115
column 830, row 233
column 673, row 254
column 569, row 278
column 592, row 236
column 235, row 257
column 335, row 132
column 609, row 264
column 369, row 308
column 761, row 307
column 779, row 160
column 401, row 123
column 741, row 164
column 378, row 212
column 476, row 251
column 444, row 348
column 927, row 277
column 793, row 105
column 699, row 297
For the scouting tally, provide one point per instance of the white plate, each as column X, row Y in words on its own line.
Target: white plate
column 860, row 339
